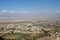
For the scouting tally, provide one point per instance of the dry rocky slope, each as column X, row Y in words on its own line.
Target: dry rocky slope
column 49, row 29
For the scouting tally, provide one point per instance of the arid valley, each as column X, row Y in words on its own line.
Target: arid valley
column 30, row 29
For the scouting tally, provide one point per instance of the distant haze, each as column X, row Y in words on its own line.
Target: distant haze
column 10, row 9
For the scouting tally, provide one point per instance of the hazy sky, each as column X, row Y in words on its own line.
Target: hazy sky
column 30, row 8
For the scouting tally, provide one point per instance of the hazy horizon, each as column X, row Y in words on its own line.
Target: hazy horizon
column 10, row 9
